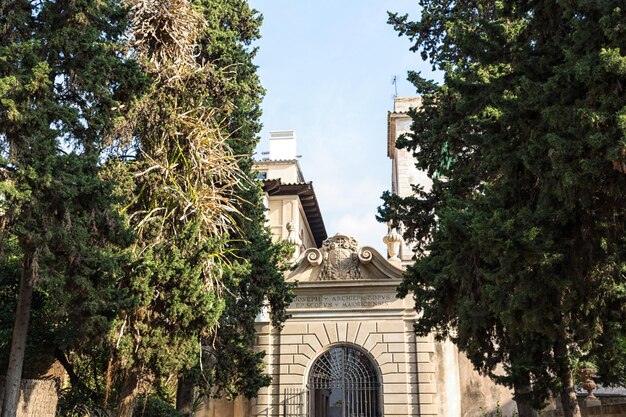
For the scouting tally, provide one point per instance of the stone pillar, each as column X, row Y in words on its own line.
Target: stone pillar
column 426, row 376
column 267, row 401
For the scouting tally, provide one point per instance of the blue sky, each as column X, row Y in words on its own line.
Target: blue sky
column 327, row 67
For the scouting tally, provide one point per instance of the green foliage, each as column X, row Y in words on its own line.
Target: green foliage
column 178, row 190
column 71, row 406
column 203, row 265
column 234, row 368
column 9, row 289
column 521, row 238
column 126, row 174
column 255, row 277
column 86, row 370
column 173, row 306
column 63, row 77
column 154, row 406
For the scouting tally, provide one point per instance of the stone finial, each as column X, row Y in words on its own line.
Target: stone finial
column 393, row 241
column 264, row 314
column 292, row 235
column 293, row 238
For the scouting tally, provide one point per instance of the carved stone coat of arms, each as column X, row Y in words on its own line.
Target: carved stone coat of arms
column 340, row 259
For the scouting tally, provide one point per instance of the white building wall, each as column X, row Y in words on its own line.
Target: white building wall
column 404, row 173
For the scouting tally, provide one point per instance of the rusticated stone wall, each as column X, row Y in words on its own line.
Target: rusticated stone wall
column 38, row 397
column 404, row 361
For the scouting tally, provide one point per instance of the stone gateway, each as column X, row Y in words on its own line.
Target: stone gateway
column 349, row 349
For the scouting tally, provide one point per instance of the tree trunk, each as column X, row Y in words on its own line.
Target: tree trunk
column 568, row 395
column 522, row 399
column 20, row 332
column 525, row 410
column 67, row 366
column 128, row 396
column 184, row 396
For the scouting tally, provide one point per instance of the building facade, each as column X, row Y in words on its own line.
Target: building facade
column 349, row 349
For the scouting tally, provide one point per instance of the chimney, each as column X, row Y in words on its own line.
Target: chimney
column 282, row 144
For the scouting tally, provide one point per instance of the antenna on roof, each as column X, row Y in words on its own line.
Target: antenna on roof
column 394, row 81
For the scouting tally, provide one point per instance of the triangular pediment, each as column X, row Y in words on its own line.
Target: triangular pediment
column 341, row 259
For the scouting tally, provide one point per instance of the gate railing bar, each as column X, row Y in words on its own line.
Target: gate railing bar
column 295, row 402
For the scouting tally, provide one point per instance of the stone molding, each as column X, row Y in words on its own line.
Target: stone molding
column 341, row 259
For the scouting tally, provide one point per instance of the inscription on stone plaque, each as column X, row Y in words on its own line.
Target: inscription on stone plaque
column 343, row 300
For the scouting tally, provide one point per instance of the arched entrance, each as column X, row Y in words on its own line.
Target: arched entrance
column 343, row 383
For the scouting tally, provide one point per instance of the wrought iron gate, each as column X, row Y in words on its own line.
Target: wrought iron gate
column 295, row 402
column 343, row 383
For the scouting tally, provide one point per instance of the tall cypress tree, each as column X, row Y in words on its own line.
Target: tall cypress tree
column 256, row 277
column 522, row 234
column 197, row 259
column 186, row 249
column 62, row 77
column 180, row 204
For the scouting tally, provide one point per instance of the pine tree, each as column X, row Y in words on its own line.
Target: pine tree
column 522, row 234
column 63, row 74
